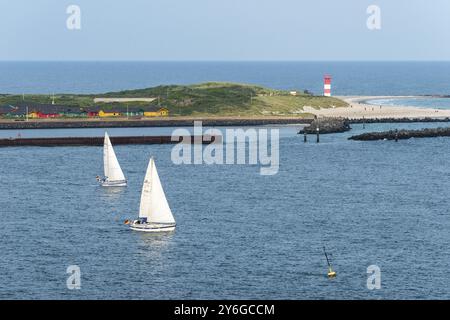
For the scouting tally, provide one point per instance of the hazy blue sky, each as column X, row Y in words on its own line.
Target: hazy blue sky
column 224, row 30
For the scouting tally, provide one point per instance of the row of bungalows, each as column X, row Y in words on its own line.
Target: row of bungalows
column 51, row 111
column 35, row 111
column 151, row 111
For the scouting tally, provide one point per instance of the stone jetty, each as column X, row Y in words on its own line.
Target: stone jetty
column 98, row 141
column 403, row 134
column 169, row 122
column 327, row 125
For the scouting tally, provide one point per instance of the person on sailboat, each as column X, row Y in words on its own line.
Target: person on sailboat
column 102, row 180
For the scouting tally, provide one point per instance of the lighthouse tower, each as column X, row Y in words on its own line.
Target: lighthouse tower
column 327, row 86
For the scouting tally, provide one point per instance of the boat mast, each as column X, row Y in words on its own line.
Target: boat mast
column 326, row 256
column 106, row 147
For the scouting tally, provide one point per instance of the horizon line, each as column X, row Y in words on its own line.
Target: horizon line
column 215, row 61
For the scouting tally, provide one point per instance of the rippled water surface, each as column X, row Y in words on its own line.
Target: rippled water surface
column 349, row 78
column 239, row 234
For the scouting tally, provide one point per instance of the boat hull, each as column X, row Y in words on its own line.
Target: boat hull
column 107, row 184
column 153, row 227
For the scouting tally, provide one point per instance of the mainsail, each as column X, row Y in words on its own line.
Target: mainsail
column 154, row 205
column 113, row 172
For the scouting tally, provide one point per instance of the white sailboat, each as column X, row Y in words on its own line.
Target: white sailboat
column 154, row 213
column 114, row 176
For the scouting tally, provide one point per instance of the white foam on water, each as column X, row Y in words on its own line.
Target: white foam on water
column 420, row 102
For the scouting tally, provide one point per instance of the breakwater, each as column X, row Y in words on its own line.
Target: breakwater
column 336, row 125
column 98, row 141
column 326, row 126
column 403, row 134
column 172, row 122
column 396, row 120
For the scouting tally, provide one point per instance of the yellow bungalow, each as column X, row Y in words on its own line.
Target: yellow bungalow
column 160, row 112
column 110, row 114
column 33, row 115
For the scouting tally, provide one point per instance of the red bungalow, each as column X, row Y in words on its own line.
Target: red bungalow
column 48, row 115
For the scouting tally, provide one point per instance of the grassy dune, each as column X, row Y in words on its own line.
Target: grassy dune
column 206, row 99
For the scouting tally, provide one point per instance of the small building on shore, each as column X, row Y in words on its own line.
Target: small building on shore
column 50, row 111
column 109, row 114
column 9, row 111
column 15, row 111
column 41, row 115
column 156, row 112
column 134, row 112
column 40, row 111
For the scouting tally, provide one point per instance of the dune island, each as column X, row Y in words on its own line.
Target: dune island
column 215, row 103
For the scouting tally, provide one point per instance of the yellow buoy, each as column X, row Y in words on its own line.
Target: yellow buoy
column 331, row 273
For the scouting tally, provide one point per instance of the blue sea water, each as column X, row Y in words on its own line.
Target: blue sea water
column 240, row 235
column 349, row 78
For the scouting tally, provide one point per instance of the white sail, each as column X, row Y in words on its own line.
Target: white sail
column 154, row 205
column 113, row 172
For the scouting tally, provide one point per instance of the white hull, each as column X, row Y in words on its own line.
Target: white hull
column 153, row 227
column 122, row 183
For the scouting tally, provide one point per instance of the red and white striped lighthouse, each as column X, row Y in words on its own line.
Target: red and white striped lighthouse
column 327, row 86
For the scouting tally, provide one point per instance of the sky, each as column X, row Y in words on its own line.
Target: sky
column 226, row 30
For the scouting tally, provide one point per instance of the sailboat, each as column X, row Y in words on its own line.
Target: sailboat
column 154, row 213
column 114, row 176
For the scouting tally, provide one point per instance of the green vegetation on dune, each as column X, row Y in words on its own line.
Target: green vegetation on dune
column 206, row 99
column 61, row 99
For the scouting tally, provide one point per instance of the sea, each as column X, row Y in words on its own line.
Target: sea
column 376, row 205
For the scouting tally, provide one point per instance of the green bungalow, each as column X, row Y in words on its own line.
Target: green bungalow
column 134, row 112
column 74, row 113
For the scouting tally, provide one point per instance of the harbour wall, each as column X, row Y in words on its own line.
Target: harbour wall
column 98, row 141
column 69, row 124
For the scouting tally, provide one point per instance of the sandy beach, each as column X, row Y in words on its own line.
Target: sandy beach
column 358, row 110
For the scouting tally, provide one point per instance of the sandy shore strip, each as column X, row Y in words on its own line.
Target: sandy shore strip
column 358, row 109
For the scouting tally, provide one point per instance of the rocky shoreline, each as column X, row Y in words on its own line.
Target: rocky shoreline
column 397, row 120
column 338, row 125
column 327, row 126
column 402, row 134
